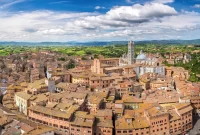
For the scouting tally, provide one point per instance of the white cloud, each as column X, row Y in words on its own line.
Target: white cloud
column 59, row 2
column 139, row 22
column 10, row 3
column 99, row 7
column 196, row 6
column 163, row 1
column 52, row 32
column 140, row 13
column 125, row 16
column 130, row 1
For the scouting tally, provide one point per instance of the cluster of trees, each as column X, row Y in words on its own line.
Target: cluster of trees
column 107, row 51
column 7, row 50
column 71, row 64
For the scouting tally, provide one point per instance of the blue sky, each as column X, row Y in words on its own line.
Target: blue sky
column 98, row 20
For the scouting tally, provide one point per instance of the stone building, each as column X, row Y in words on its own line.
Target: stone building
column 99, row 65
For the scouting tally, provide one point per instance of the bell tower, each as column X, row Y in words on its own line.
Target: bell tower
column 130, row 52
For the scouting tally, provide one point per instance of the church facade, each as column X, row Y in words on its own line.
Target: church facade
column 143, row 64
column 139, row 65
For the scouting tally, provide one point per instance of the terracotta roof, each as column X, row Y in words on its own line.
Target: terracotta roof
column 40, row 130
column 83, row 119
column 51, row 112
column 131, row 99
column 156, row 111
column 109, row 59
column 104, row 123
column 104, row 113
column 119, row 102
column 137, row 123
column 185, row 110
column 173, row 115
column 23, row 95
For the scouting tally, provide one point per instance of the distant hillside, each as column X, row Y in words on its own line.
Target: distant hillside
column 184, row 42
column 178, row 42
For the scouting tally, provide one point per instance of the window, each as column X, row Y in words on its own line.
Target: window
column 66, row 127
column 153, row 130
column 124, row 131
column 89, row 131
column 78, row 129
column 72, row 129
column 130, row 131
column 157, row 129
column 118, row 131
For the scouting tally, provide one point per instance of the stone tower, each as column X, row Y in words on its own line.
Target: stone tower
column 130, row 52
column 51, row 84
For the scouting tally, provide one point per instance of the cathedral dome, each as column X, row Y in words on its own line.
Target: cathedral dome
column 141, row 56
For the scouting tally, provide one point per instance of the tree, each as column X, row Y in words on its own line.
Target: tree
column 71, row 64
column 61, row 59
column 193, row 77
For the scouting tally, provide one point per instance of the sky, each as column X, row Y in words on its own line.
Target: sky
column 98, row 20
